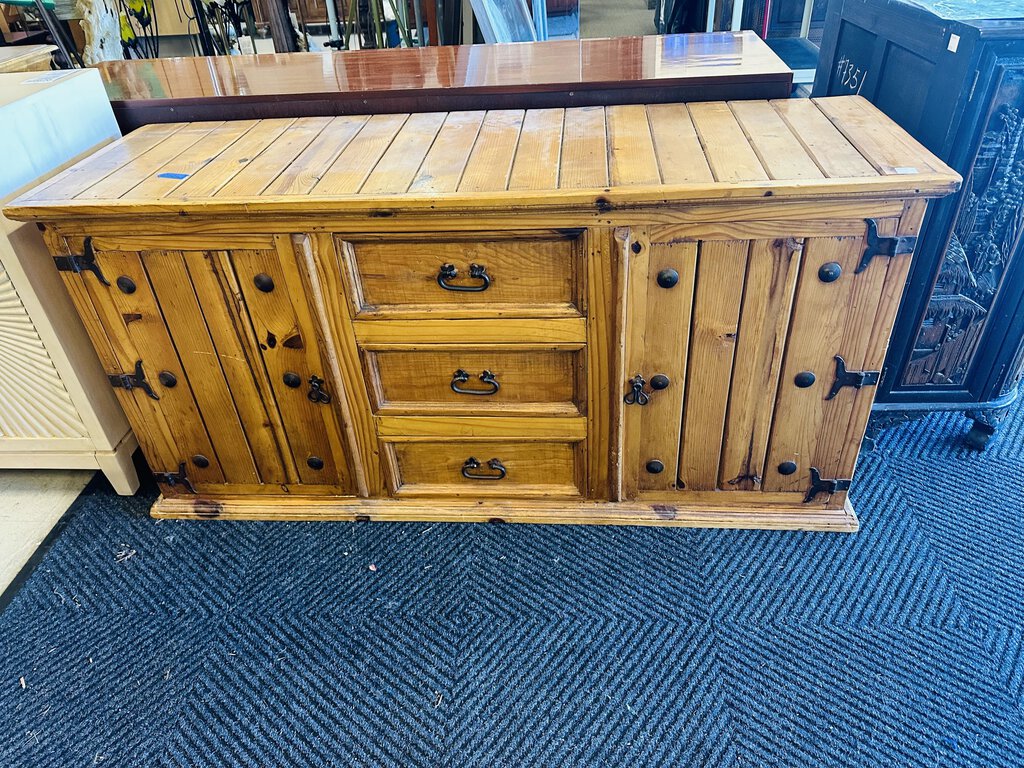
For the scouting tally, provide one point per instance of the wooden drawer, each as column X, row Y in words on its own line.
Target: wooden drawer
column 510, row 381
column 467, row 275
column 486, row 468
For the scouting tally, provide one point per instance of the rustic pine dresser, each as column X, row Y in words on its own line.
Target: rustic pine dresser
column 661, row 314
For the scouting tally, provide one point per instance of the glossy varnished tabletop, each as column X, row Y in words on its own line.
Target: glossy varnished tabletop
column 558, row 73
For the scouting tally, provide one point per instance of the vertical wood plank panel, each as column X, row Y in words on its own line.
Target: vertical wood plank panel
column 324, row 275
column 187, row 326
column 245, row 374
column 284, row 348
column 538, row 155
column 209, row 179
column 829, row 319
column 399, row 164
column 303, row 174
column 163, row 180
column 779, row 151
column 335, row 416
column 885, row 316
column 140, row 169
column 666, row 346
column 602, row 348
column 272, row 162
column 680, row 155
column 584, row 149
column 349, row 172
column 772, row 270
column 725, row 145
column 716, row 309
column 635, row 248
column 491, row 161
column 443, row 166
column 135, row 322
column 631, row 147
column 144, row 414
column 836, row 156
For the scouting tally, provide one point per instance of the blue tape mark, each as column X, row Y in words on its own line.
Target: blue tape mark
column 172, row 175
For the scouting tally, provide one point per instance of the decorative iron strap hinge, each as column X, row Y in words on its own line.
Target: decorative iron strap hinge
column 78, row 263
column 855, row 379
column 883, row 246
column 823, row 485
column 132, row 381
column 175, row 478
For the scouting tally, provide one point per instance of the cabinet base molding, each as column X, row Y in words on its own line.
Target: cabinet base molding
column 794, row 518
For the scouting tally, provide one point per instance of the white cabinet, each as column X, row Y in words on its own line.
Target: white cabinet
column 57, row 408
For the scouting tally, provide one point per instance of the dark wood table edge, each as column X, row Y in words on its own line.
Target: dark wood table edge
column 133, row 113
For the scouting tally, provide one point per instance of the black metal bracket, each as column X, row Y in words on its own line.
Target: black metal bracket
column 823, row 485
column 132, row 381
column 175, row 478
column 317, row 393
column 79, row 263
column 855, row 379
column 636, row 394
column 883, row 246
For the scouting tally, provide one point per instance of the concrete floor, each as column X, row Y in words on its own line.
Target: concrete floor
column 31, row 503
column 615, row 18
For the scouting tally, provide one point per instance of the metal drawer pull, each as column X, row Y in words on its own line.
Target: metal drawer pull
column 461, row 377
column 476, row 272
column 317, row 393
column 468, row 470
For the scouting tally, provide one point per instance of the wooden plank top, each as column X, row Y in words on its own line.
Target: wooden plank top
column 25, row 58
column 554, row 73
column 585, row 157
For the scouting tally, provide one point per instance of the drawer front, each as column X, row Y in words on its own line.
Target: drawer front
column 486, row 468
column 498, row 381
column 490, row 275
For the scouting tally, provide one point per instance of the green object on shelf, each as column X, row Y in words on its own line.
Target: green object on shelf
column 28, row 3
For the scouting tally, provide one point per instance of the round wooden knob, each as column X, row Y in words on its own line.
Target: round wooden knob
column 787, row 468
column 315, row 462
column 291, row 379
column 167, row 378
column 659, row 381
column 126, row 284
column 668, row 278
column 200, row 461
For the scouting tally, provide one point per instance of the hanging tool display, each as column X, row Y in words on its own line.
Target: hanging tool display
column 139, row 29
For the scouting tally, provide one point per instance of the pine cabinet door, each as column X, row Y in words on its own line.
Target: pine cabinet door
column 214, row 356
column 750, row 365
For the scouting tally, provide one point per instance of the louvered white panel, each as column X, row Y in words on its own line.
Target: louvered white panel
column 33, row 400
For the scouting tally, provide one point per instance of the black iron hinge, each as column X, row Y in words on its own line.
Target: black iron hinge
column 883, row 246
column 132, row 381
column 78, row 263
column 175, row 478
column 855, row 379
column 823, row 485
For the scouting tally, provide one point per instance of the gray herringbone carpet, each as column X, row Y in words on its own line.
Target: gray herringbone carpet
column 274, row 644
